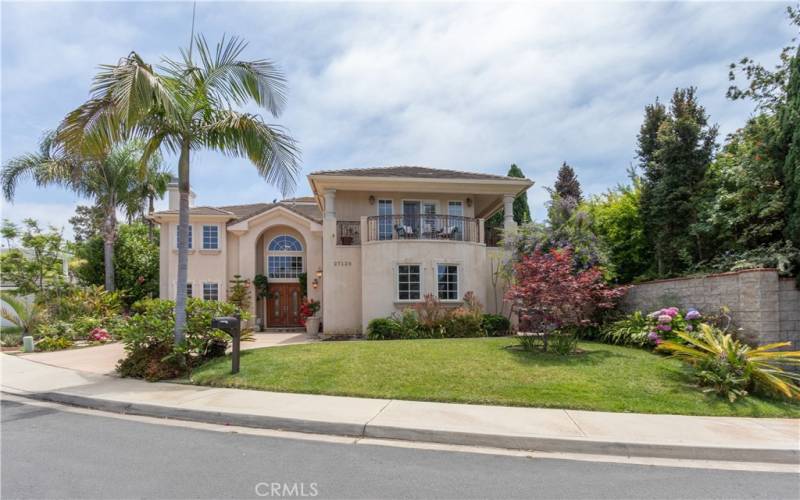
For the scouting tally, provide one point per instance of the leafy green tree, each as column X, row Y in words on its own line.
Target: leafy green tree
column 87, row 222
column 184, row 106
column 567, row 185
column 111, row 177
column 747, row 207
column 9, row 232
column 617, row 222
column 136, row 261
column 38, row 263
column 675, row 160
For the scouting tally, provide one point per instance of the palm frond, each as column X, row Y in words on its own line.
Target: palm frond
column 274, row 153
column 235, row 81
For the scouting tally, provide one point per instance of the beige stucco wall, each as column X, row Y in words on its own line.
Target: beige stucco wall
column 378, row 268
column 205, row 266
column 351, row 205
column 341, row 283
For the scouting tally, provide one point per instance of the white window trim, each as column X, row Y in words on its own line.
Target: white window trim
column 458, row 280
column 203, row 292
column 397, row 282
column 191, row 229
column 435, row 203
column 202, row 236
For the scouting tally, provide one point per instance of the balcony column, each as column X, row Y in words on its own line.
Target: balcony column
column 330, row 204
column 508, row 216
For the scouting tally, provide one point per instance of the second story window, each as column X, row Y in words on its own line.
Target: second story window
column 385, row 224
column 190, row 237
column 189, row 290
column 210, row 237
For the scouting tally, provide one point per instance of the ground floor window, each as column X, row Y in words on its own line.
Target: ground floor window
column 210, row 291
column 447, row 281
column 284, row 266
column 408, row 282
column 189, row 290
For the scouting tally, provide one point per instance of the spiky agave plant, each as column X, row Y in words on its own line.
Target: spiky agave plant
column 732, row 368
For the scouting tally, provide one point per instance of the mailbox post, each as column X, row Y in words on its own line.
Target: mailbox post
column 232, row 326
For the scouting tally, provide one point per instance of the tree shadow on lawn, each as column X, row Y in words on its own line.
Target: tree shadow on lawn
column 584, row 357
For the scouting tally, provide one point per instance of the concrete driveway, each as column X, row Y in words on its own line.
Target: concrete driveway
column 103, row 359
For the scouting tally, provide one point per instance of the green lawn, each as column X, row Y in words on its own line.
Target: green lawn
column 484, row 371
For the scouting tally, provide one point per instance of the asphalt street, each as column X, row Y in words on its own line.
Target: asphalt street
column 50, row 453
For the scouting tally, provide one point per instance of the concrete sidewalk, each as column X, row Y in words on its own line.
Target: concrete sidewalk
column 568, row 431
column 103, row 359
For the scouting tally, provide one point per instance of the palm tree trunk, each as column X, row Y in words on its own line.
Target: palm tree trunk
column 109, row 230
column 183, row 242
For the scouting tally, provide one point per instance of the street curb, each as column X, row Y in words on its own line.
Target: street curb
column 359, row 430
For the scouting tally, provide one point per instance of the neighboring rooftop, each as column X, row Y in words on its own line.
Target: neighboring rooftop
column 410, row 171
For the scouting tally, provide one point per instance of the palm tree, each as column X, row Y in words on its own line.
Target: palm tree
column 110, row 177
column 183, row 106
column 152, row 186
column 22, row 314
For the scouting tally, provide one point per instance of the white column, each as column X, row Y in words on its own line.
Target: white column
column 508, row 219
column 330, row 204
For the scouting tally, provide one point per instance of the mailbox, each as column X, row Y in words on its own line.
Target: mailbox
column 232, row 326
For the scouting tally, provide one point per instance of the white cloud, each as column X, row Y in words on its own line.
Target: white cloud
column 466, row 86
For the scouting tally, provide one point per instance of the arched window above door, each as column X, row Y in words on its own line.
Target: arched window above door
column 284, row 258
column 285, row 243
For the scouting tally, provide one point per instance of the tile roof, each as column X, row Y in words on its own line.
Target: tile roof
column 412, row 171
column 238, row 213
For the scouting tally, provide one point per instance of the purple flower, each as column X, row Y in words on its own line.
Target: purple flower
column 665, row 319
column 671, row 311
column 693, row 314
column 653, row 336
column 689, row 328
column 664, row 328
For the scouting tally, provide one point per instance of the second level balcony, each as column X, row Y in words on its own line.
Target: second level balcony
column 423, row 227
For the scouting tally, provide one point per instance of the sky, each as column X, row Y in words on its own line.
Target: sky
column 465, row 86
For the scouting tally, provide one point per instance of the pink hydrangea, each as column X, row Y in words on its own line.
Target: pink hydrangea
column 665, row 319
column 671, row 311
column 664, row 328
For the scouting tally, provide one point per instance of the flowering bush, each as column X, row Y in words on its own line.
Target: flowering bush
column 99, row 335
column 308, row 308
column 431, row 319
column 665, row 323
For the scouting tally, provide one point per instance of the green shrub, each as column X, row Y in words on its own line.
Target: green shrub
column 562, row 342
column 384, row 329
column 149, row 342
column 53, row 343
column 462, row 323
column 630, row 330
column 495, row 325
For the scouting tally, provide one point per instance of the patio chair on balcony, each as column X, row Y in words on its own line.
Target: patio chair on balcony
column 404, row 231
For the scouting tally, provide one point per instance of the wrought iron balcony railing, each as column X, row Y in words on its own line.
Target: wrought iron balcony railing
column 423, row 227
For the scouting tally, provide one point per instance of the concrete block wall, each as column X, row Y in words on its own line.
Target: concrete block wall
column 765, row 305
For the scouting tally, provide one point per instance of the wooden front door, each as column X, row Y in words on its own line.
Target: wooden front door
column 283, row 305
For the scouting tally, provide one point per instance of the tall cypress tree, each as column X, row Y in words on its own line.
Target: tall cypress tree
column 789, row 119
column 675, row 151
column 567, row 185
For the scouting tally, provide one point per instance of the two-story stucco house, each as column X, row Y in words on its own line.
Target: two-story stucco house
column 372, row 241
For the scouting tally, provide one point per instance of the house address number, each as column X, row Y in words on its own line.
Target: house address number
column 342, row 263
